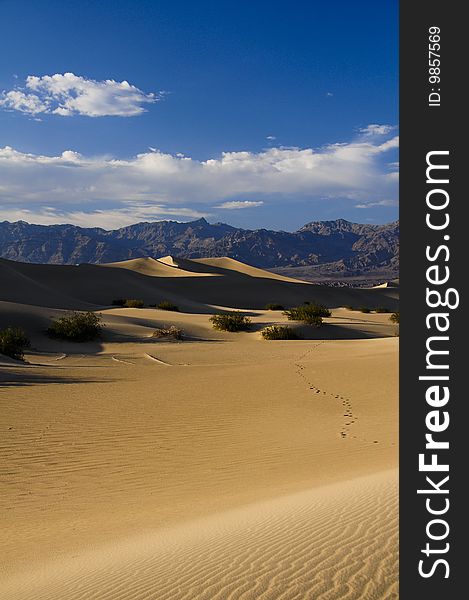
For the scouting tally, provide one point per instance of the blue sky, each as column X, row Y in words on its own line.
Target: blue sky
column 259, row 114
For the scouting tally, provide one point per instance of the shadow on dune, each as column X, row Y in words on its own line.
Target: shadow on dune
column 44, row 343
column 74, row 287
column 330, row 331
column 24, row 376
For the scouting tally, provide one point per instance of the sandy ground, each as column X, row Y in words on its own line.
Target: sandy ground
column 223, row 466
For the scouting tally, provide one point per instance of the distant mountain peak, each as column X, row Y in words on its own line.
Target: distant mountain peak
column 351, row 247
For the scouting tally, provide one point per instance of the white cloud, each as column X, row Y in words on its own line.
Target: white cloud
column 375, row 129
column 107, row 219
column 271, row 138
column 68, row 94
column 329, row 94
column 358, row 170
column 237, row 204
column 26, row 103
column 377, row 203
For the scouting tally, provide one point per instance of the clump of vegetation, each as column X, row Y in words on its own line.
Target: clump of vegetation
column 310, row 313
column 394, row 318
column 171, row 332
column 76, row 327
column 13, row 342
column 349, row 307
column 365, row 309
column 128, row 303
column 273, row 306
column 119, row 302
column 231, row 321
column 279, row 332
column 167, row 305
column 382, row 309
column 133, row 303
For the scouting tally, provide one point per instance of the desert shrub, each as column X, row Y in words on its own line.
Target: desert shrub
column 349, row 307
column 382, row 309
column 394, row 318
column 172, row 332
column 279, row 332
column 167, row 305
column 315, row 321
column 133, row 303
column 119, row 302
column 273, row 306
column 308, row 313
column 365, row 309
column 128, row 303
column 13, row 342
column 230, row 321
column 76, row 327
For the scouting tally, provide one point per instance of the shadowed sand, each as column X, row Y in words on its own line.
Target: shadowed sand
column 230, row 283
column 223, row 466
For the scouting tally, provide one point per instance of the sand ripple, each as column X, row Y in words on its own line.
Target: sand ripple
column 335, row 542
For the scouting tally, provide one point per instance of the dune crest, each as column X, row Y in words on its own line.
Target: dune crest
column 195, row 285
column 155, row 268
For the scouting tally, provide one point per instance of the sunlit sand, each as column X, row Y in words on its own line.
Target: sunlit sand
column 223, row 466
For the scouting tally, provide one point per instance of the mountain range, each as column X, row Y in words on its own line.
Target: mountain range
column 318, row 249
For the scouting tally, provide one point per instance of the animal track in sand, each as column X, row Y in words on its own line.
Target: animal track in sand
column 349, row 417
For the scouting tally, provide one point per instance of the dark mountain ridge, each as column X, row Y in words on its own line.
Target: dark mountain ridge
column 350, row 249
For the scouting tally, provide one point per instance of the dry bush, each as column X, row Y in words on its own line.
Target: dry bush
column 230, row 321
column 167, row 305
column 279, row 332
column 310, row 313
column 172, row 332
column 13, row 342
column 274, row 306
column 76, row 327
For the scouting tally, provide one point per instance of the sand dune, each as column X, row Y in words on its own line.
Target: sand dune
column 164, row 267
column 105, row 449
column 21, row 282
column 125, row 325
column 230, row 264
column 237, row 285
column 338, row 541
column 220, row 467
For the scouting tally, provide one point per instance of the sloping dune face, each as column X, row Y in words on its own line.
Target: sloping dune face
column 236, row 266
column 308, row 545
column 155, row 268
column 222, row 266
column 193, row 284
column 22, row 282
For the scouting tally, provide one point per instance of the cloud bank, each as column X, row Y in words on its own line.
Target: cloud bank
column 154, row 183
column 68, row 94
column 239, row 204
